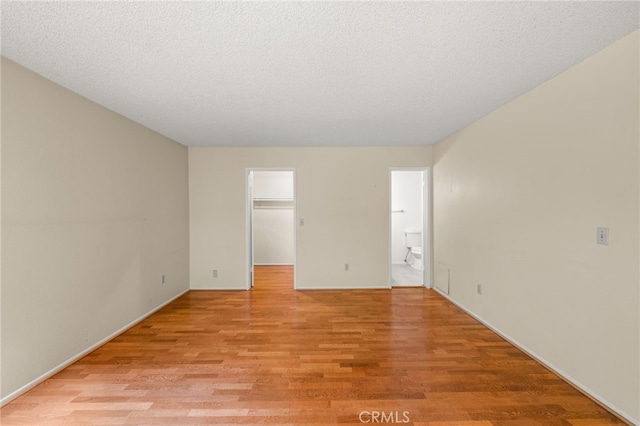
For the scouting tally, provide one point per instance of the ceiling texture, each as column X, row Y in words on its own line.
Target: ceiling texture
column 307, row 73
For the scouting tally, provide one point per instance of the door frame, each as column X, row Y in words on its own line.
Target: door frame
column 250, row 255
column 427, row 240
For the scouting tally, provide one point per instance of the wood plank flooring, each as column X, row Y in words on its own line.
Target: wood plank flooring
column 273, row 355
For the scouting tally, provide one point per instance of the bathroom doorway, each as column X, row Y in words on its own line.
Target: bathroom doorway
column 270, row 224
column 409, row 251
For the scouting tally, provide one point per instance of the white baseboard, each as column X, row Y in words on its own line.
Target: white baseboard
column 297, row 288
column 13, row 395
column 344, row 288
column 573, row 382
column 219, row 289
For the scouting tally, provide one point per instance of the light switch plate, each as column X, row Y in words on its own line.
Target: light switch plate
column 602, row 236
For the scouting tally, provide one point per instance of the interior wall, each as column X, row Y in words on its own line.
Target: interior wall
column 94, row 212
column 341, row 193
column 273, row 218
column 518, row 196
column 406, row 201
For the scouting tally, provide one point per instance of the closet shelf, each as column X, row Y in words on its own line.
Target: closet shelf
column 273, row 203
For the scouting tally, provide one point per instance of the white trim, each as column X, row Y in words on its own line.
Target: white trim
column 274, row 264
column 427, row 237
column 219, row 289
column 345, row 288
column 295, row 228
column 248, row 185
column 13, row 395
column 573, row 382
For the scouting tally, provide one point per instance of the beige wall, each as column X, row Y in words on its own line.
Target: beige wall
column 94, row 211
column 517, row 199
column 341, row 193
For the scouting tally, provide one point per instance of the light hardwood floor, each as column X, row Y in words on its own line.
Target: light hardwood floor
column 278, row 356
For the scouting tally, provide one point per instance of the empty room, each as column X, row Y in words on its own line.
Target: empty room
column 291, row 213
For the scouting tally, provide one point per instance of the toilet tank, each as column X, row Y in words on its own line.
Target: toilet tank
column 413, row 238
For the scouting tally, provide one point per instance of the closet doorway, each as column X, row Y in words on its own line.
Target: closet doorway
column 270, row 224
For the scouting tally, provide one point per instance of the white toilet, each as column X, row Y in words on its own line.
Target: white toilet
column 413, row 241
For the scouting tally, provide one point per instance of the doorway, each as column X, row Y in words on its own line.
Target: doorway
column 410, row 254
column 270, row 222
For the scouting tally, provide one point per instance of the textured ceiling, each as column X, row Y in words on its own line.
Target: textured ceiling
column 307, row 73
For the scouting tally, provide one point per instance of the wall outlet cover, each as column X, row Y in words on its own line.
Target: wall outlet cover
column 602, row 236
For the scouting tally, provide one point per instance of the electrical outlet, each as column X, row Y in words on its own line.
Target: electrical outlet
column 479, row 288
column 215, row 273
column 162, row 279
column 346, row 266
